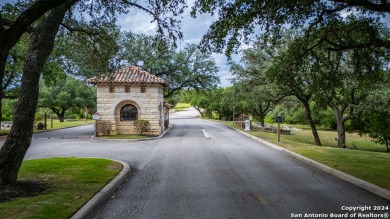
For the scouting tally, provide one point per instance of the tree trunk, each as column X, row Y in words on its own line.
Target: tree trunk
column 60, row 113
column 340, row 120
column 19, row 138
column 1, row 111
column 310, row 120
column 200, row 111
column 62, row 117
column 261, row 114
column 262, row 123
column 341, row 142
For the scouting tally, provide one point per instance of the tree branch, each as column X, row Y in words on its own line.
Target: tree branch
column 384, row 6
column 73, row 29
column 25, row 19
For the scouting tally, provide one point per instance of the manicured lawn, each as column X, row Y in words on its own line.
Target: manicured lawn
column 71, row 182
column 124, row 137
column 67, row 123
column 370, row 162
column 182, row 106
column 56, row 125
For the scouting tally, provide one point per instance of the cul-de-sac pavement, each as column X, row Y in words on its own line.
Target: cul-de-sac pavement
column 185, row 175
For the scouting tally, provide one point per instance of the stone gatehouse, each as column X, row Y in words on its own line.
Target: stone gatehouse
column 131, row 94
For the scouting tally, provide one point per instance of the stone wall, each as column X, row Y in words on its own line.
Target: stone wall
column 148, row 100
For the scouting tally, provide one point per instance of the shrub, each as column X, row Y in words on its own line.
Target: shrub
column 73, row 116
column 142, row 126
column 103, row 127
column 40, row 126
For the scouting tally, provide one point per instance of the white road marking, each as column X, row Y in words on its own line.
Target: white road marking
column 206, row 135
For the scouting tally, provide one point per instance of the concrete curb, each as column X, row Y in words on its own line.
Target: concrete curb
column 130, row 140
column 103, row 194
column 381, row 192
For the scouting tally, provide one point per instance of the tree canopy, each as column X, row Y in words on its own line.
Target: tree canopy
column 189, row 68
column 239, row 20
column 65, row 94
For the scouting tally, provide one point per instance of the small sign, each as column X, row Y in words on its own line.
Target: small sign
column 96, row 116
column 250, row 118
column 279, row 119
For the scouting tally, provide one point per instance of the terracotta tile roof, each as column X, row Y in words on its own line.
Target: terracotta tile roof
column 130, row 75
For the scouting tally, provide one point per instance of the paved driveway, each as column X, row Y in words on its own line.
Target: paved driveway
column 185, row 175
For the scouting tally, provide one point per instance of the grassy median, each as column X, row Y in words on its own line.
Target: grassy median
column 56, row 125
column 124, row 137
column 67, row 123
column 68, row 183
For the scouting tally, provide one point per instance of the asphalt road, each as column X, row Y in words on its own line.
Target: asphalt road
column 185, row 175
column 85, row 131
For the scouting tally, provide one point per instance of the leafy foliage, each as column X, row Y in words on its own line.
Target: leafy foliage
column 65, row 94
column 188, row 68
column 376, row 116
column 239, row 20
column 141, row 126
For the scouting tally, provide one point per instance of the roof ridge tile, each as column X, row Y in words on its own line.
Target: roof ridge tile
column 129, row 74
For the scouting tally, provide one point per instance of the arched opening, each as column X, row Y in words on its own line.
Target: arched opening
column 128, row 113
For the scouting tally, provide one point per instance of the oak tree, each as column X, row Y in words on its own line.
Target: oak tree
column 65, row 94
column 189, row 68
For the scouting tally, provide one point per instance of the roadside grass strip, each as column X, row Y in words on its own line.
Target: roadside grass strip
column 123, row 137
column 70, row 183
column 57, row 124
column 367, row 160
column 182, row 106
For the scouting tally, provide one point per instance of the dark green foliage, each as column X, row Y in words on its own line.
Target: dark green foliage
column 375, row 119
column 65, row 94
column 239, row 20
column 188, row 68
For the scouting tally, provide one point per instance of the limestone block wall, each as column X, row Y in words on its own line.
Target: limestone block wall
column 147, row 98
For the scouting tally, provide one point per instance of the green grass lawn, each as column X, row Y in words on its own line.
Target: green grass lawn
column 181, row 106
column 67, row 123
column 56, row 125
column 124, row 137
column 71, row 183
column 370, row 162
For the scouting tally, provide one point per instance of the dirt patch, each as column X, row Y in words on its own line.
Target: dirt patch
column 21, row 189
column 115, row 166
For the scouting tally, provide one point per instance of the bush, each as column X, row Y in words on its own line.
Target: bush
column 73, row 116
column 142, row 126
column 40, row 126
column 103, row 127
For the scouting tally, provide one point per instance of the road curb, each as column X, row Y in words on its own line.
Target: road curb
column 381, row 192
column 131, row 140
column 104, row 193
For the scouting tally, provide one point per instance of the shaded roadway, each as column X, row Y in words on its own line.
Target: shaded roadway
column 185, row 175
column 84, row 131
